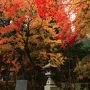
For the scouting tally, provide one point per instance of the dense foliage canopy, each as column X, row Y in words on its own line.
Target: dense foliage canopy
column 30, row 29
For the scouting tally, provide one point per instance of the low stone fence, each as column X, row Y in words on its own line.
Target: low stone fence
column 66, row 86
column 7, row 85
column 74, row 86
column 10, row 85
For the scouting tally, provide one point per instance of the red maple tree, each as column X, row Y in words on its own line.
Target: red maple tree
column 57, row 10
column 20, row 10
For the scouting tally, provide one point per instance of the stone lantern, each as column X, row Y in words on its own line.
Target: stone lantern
column 49, row 68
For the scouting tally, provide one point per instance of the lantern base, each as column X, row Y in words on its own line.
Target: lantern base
column 51, row 87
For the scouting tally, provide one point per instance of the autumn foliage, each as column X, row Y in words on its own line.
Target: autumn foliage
column 62, row 11
column 19, row 10
column 38, row 25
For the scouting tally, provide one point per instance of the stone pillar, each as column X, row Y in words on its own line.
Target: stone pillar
column 21, row 85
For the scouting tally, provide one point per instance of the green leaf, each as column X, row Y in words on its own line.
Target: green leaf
column 50, row 26
column 53, row 21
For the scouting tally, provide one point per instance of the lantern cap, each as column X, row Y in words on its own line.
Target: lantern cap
column 49, row 65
